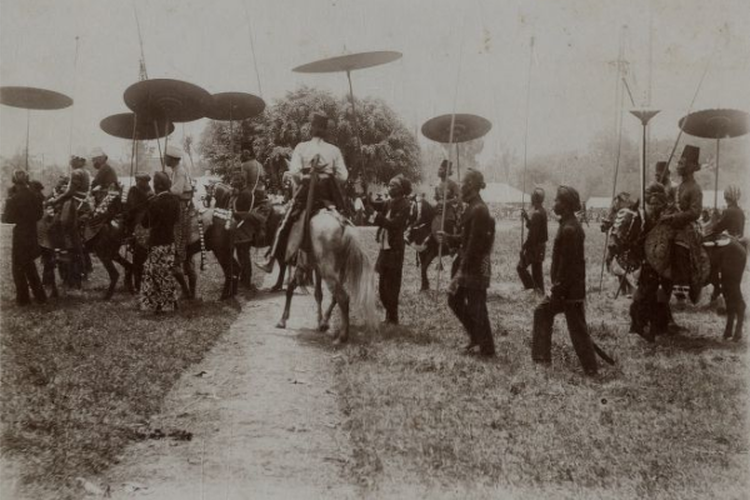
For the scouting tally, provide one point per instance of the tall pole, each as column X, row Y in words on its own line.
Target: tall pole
column 526, row 135
column 716, row 178
column 28, row 127
column 358, row 155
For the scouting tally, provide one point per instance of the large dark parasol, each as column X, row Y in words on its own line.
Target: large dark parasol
column 716, row 124
column 30, row 98
column 168, row 100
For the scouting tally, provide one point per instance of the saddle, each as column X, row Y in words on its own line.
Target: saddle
column 658, row 249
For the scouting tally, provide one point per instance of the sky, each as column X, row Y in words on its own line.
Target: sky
column 471, row 57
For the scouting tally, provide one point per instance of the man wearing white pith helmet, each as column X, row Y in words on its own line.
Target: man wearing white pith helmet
column 106, row 177
column 182, row 188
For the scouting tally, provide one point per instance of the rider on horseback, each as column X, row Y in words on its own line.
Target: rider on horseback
column 326, row 160
column 650, row 306
column 687, row 241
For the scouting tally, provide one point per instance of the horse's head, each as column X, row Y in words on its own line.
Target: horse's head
column 625, row 231
column 622, row 200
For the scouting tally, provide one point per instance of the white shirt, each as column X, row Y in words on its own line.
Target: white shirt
column 331, row 160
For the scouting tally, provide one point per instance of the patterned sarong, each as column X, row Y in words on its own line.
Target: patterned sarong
column 159, row 290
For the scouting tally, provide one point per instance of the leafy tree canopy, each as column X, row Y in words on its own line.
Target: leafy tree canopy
column 388, row 147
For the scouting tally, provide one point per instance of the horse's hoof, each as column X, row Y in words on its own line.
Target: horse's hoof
column 281, row 325
column 323, row 328
column 277, row 288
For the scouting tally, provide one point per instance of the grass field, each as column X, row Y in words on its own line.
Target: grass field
column 80, row 377
column 668, row 421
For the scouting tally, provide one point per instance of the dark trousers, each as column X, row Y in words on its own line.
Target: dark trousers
column 534, row 280
column 389, row 287
column 470, row 307
column 650, row 306
column 25, row 275
column 575, row 316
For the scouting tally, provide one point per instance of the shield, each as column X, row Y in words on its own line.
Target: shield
column 658, row 248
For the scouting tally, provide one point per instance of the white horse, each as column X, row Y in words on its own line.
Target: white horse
column 338, row 259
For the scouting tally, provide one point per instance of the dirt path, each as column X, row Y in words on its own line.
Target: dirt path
column 264, row 418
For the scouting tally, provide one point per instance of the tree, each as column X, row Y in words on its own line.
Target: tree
column 388, row 147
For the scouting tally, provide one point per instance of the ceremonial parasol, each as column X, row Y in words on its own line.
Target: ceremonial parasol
column 716, row 124
column 466, row 127
column 230, row 106
column 349, row 63
column 449, row 129
column 173, row 100
column 125, row 126
column 644, row 115
column 33, row 98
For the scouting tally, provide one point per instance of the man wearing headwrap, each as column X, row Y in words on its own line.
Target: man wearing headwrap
column 158, row 291
column 732, row 220
column 135, row 210
column 251, row 210
column 328, row 163
column 75, row 208
column 687, row 242
column 471, row 270
column 650, row 313
column 447, row 189
column 106, row 177
column 532, row 252
column 568, row 290
column 252, row 169
column 392, row 216
column 182, row 188
column 24, row 209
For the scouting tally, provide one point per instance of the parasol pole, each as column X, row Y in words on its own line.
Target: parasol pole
column 716, row 178
column 72, row 113
column 133, row 150
column 526, row 135
column 450, row 142
column 28, row 127
column 690, row 109
column 158, row 145
column 358, row 157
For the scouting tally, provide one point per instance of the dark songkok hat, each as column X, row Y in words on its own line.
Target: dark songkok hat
column 569, row 196
column 319, row 120
column 691, row 154
column 142, row 176
column 661, row 166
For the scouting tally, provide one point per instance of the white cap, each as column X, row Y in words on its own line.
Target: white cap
column 97, row 152
column 173, row 151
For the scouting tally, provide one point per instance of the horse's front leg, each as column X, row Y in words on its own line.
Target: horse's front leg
column 288, row 304
column 280, row 280
column 342, row 298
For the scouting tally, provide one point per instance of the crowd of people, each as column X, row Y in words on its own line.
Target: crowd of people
column 157, row 212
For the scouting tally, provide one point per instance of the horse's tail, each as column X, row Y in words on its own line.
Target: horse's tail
column 359, row 276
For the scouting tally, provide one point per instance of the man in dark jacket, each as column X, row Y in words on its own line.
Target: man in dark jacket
column 24, row 209
column 532, row 252
column 732, row 220
column 136, row 207
column 568, row 293
column 392, row 216
column 105, row 177
column 471, row 271
column 687, row 241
